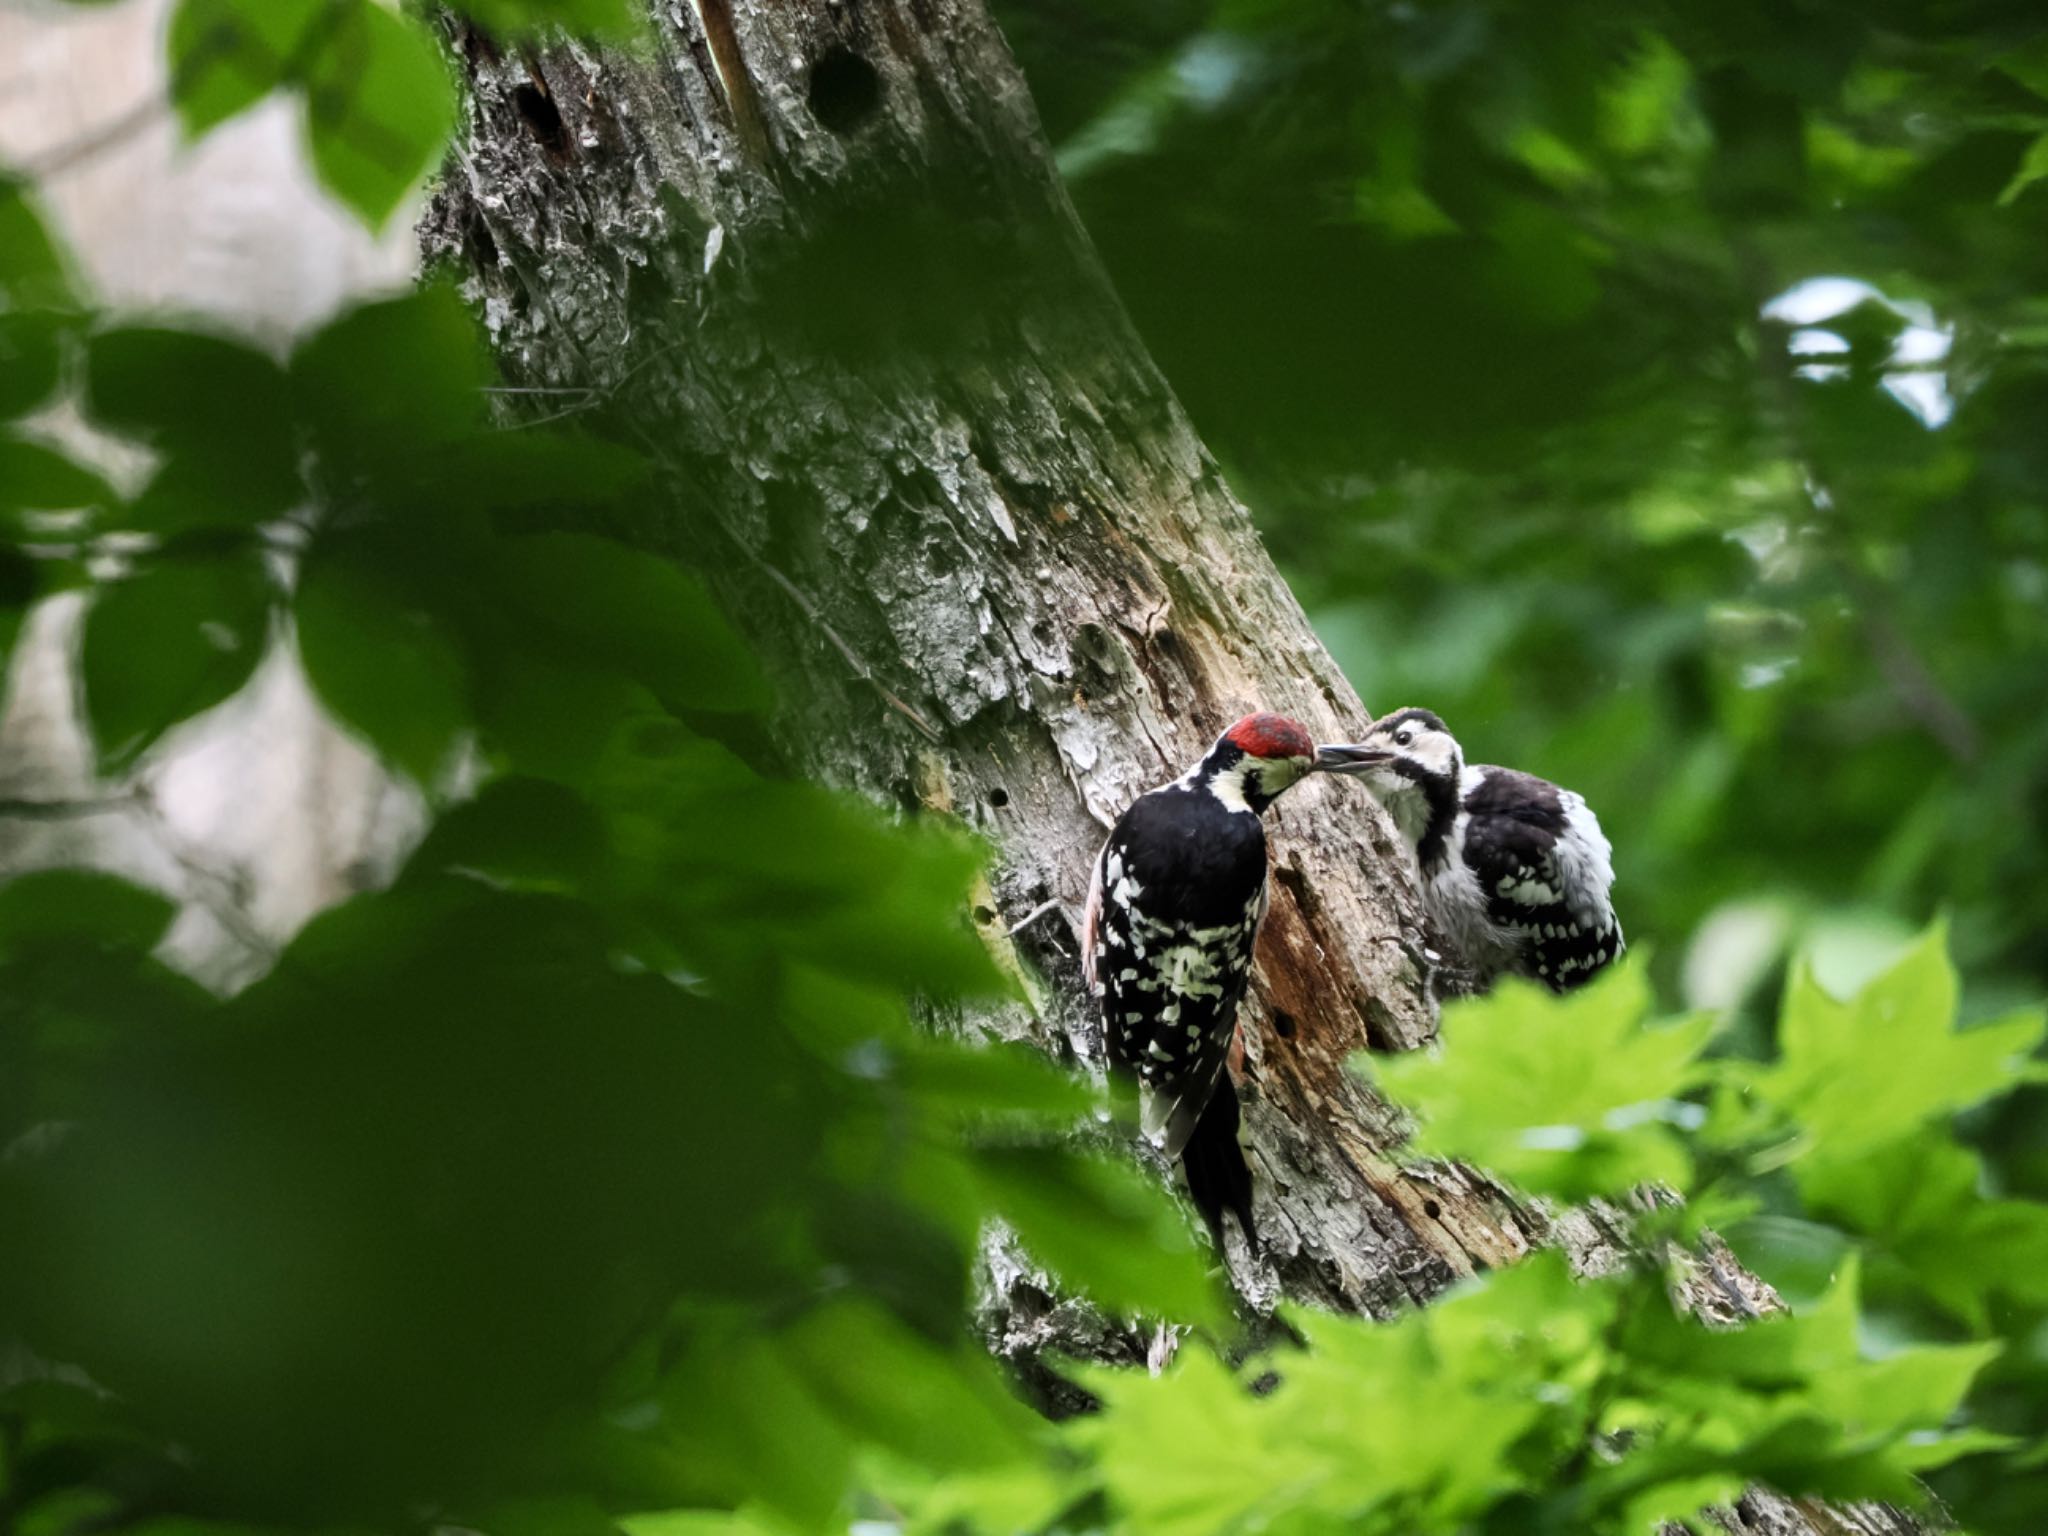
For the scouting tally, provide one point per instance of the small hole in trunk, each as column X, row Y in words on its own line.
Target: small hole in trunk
column 845, row 90
column 483, row 246
column 543, row 119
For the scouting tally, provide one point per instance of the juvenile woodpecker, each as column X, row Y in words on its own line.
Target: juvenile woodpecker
column 1166, row 944
column 1515, row 871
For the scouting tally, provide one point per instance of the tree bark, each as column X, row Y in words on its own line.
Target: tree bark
column 813, row 255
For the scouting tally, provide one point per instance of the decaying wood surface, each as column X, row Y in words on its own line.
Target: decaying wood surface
column 813, row 255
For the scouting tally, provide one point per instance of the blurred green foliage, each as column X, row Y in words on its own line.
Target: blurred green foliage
column 1535, row 1401
column 1574, row 1111
column 1656, row 392
column 596, row 1165
column 1652, row 390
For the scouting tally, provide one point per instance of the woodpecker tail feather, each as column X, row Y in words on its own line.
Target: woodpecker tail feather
column 1219, row 1178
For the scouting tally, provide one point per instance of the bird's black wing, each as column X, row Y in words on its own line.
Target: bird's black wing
column 1179, row 892
column 1518, row 845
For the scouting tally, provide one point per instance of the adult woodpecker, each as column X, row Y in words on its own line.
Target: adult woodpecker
column 1515, row 871
column 1166, row 945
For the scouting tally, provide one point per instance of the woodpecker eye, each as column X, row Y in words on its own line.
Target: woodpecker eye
column 1402, row 738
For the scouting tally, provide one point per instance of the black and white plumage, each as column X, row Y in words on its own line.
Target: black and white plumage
column 1515, row 871
column 1177, row 896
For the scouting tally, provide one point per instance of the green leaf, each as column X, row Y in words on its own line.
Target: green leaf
column 1101, row 1225
column 18, row 580
column 1467, row 1396
column 1644, row 100
column 1798, row 1258
column 1918, row 1201
column 188, row 494
column 81, row 906
column 21, row 581
column 502, row 471
column 621, row 609
column 1782, row 1350
column 1194, row 1453
column 994, row 1079
column 1914, row 1391
column 1788, row 1400
column 1569, row 1096
column 382, row 665
column 37, row 478
column 905, row 922
column 520, row 835
column 2033, row 167
column 701, row 1522
column 819, row 873
column 220, row 413
column 557, row 721
column 397, row 372
column 227, row 55
column 33, row 271
column 903, row 1258
column 31, row 358
column 890, row 1386
column 2028, row 64
column 756, row 1430
column 963, row 1082
column 1853, row 1074
column 1914, row 1185
column 167, row 643
column 1017, row 1496
column 583, row 1151
column 1470, row 1381
column 188, row 392
column 379, row 108
column 584, row 18
column 379, row 102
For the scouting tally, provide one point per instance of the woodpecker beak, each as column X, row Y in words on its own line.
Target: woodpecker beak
column 1348, row 758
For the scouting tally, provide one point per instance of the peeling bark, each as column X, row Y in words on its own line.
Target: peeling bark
column 812, row 254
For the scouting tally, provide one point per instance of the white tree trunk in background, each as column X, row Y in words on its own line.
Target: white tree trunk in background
column 232, row 227
column 261, row 812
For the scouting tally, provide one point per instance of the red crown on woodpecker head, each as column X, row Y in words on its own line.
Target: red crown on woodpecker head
column 1271, row 735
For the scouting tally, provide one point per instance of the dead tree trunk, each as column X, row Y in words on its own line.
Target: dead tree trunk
column 814, row 256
